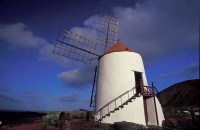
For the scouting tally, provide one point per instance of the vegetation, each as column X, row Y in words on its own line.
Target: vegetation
column 169, row 123
column 177, row 111
column 51, row 119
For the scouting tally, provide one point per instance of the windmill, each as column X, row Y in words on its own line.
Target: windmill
column 120, row 90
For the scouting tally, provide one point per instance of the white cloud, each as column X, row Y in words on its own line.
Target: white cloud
column 88, row 33
column 156, row 28
column 90, row 29
column 48, row 55
column 78, row 78
column 18, row 36
column 92, row 22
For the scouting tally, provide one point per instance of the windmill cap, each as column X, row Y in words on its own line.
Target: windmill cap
column 117, row 48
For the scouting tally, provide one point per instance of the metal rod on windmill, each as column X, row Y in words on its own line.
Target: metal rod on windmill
column 75, row 47
column 107, row 31
column 79, row 48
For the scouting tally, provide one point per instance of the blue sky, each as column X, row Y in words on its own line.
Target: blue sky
column 164, row 32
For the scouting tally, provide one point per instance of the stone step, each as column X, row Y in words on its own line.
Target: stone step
column 129, row 100
column 116, row 109
column 133, row 97
column 112, row 111
column 137, row 95
column 125, row 103
column 121, row 106
column 103, row 117
column 108, row 114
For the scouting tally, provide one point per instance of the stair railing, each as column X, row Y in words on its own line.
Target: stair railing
column 114, row 101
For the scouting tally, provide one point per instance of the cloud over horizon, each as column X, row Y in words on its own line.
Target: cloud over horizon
column 68, row 98
column 31, row 94
column 190, row 71
column 11, row 99
column 18, row 36
column 78, row 78
column 4, row 89
column 157, row 28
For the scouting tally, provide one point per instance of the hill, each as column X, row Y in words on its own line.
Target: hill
column 185, row 93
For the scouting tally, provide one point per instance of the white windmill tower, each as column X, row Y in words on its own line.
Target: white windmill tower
column 120, row 90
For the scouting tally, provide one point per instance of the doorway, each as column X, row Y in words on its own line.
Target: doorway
column 138, row 77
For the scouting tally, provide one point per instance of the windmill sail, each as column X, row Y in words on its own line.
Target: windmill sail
column 76, row 47
column 107, row 31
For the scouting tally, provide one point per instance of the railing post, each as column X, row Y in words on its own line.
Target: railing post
column 100, row 115
column 128, row 95
column 141, row 87
column 108, row 108
column 154, row 96
column 153, row 88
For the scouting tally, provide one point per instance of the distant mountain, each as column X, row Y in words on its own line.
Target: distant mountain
column 185, row 93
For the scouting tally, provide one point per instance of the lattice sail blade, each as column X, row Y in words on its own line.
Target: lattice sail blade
column 75, row 47
column 107, row 31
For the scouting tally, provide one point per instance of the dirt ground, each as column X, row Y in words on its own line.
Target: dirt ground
column 76, row 124
column 35, row 126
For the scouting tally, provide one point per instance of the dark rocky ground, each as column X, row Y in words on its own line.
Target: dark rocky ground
column 186, row 93
column 91, row 125
column 81, row 124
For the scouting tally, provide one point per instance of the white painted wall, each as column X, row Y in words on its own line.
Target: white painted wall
column 133, row 112
column 152, row 119
column 160, row 112
column 116, row 76
column 151, row 112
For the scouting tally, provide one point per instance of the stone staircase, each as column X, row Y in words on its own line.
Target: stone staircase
column 130, row 99
column 146, row 92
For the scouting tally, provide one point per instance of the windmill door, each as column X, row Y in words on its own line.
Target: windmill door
column 138, row 77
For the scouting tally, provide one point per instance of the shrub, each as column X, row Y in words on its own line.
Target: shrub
column 169, row 123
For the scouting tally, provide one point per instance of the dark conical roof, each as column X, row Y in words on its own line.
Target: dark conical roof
column 118, row 47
